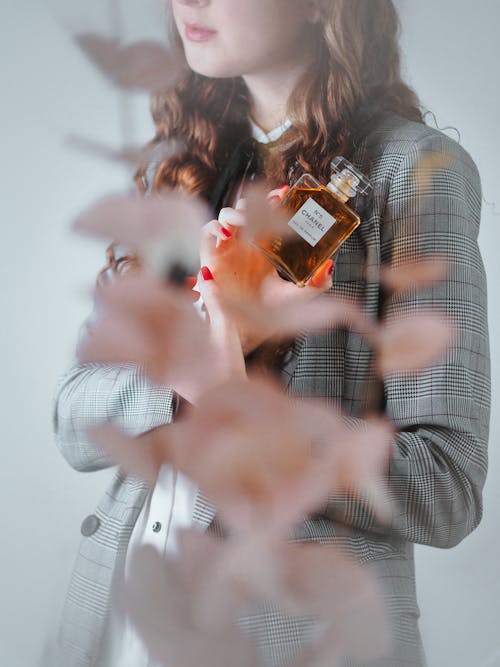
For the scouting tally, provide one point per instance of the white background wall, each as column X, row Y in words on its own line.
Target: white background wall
column 452, row 59
column 49, row 91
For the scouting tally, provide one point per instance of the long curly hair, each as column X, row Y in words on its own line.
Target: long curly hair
column 355, row 76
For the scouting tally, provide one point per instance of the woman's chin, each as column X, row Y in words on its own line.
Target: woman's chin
column 210, row 68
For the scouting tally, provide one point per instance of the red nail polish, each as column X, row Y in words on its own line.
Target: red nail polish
column 330, row 268
column 226, row 233
column 206, row 273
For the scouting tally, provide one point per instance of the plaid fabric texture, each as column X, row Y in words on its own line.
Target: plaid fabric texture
column 426, row 201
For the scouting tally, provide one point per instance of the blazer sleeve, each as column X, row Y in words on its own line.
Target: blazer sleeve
column 439, row 458
column 92, row 393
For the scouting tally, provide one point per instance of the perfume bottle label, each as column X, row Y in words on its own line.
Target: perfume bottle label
column 312, row 222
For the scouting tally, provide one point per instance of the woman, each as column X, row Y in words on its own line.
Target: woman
column 283, row 87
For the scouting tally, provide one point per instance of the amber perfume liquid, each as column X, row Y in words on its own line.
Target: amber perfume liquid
column 319, row 223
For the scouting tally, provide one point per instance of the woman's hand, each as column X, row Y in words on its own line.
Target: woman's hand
column 226, row 359
column 243, row 273
column 224, row 337
column 238, row 267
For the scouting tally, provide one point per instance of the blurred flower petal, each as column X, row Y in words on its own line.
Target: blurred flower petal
column 312, row 581
column 338, row 590
column 418, row 274
column 265, row 460
column 144, row 322
column 241, row 443
column 263, row 219
column 430, row 165
column 162, row 229
column 245, row 570
column 254, row 452
column 160, row 597
column 412, row 342
column 133, row 155
column 287, row 319
column 348, row 458
column 143, row 65
column 140, row 456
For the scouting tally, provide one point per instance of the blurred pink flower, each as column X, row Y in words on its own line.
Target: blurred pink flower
column 321, row 582
column 300, row 313
column 163, row 229
column 161, row 596
column 262, row 218
column 264, row 459
column 418, row 274
column 352, row 457
column 142, row 65
column 409, row 343
column 213, row 583
column 141, row 456
column 248, row 451
column 133, row 155
column 144, row 322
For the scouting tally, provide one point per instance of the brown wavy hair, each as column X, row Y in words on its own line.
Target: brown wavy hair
column 355, row 77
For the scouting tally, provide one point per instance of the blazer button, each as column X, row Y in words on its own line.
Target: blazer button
column 90, row 525
column 156, row 527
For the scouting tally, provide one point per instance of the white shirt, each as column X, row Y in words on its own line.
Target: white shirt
column 273, row 135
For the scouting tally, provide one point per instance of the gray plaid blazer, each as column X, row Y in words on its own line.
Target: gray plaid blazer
column 439, row 459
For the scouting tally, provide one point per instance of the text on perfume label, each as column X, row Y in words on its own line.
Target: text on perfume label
column 312, row 222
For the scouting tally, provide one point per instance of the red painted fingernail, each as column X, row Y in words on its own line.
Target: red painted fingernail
column 330, row 268
column 206, row 273
column 226, row 233
column 283, row 187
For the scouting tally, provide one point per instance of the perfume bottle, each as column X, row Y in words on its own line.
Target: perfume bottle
column 319, row 222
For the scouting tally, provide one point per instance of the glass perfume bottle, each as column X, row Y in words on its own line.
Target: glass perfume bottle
column 320, row 222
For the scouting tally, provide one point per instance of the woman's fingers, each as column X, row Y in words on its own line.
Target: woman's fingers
column 233, row 216
column 223, row 332
column 209, row 294
column 322, row 279
column 220, row 229
column 276, row 196
column 281, row 291
column 215, row 230
column 206, row 274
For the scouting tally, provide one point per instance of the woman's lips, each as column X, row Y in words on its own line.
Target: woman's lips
column 198, row 33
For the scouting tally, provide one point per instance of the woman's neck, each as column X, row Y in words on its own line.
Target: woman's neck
column 268, row 107
column 269, row 93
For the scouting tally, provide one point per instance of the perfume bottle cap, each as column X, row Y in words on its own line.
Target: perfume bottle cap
column 346, row 180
